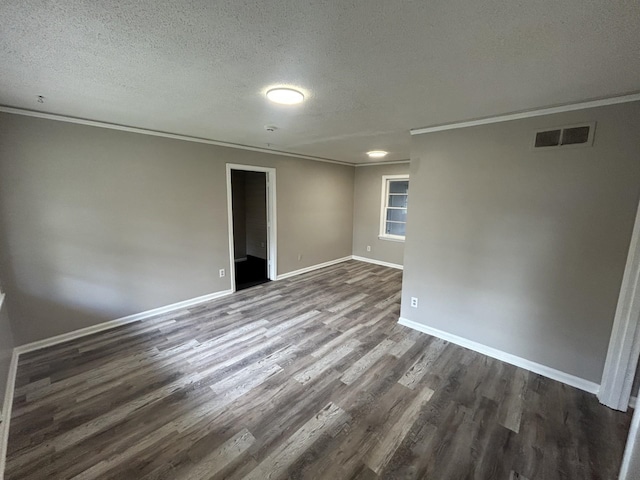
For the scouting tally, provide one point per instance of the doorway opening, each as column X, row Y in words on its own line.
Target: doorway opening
column 251, row 201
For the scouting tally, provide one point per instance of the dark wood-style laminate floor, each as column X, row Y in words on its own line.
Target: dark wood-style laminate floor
column 309, row 377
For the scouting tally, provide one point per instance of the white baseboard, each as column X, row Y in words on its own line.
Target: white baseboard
column 378, row 262
column 47, row 342
column 534, row 367
column 6, row 410
column 312, row 268
column 65, row 337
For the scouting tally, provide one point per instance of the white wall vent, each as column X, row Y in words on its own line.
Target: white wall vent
column 563, row 137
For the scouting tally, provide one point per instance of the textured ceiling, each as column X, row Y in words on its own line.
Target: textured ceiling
column 371, row 69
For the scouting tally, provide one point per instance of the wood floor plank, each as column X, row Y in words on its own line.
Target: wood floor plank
column 394, row 433
column 366, row 361
column 325, row 362
column 276, row 464
column 513, row 403
column 421, row 366
column 308, row 377
column 217, row 460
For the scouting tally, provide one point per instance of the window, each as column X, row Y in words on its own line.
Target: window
column 393, row 218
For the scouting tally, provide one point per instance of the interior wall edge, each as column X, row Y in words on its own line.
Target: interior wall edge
column 378, row 262
column 378, row 164
column 6, row 410
column 157, row 133
column 108, row 325
column 545, row 371
column 311, row 268
column 602, row 102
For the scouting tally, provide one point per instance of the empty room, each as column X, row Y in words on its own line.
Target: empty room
column 319, row 240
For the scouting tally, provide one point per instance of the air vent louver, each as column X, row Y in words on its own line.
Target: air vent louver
column 575, row 135
column 550, row 138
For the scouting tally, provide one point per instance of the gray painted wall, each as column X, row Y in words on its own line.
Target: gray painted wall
column 6, row 348
column 366, row 214
column 96, row 224
column 249, row 192
column 239, row 217
column 519, row 250
column 256, row 213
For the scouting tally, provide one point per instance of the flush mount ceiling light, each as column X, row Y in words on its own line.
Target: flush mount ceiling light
column 377, row 154
column 285, row 96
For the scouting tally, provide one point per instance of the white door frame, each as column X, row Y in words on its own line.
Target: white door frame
column 272, row 237
column 624, row 344
column 631, row 459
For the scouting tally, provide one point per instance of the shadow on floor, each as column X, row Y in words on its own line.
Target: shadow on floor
column 251, row 272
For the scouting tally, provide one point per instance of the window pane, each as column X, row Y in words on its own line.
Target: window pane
column 398, row 201
column 395, row 229
column 398, row 186
column 397, row 215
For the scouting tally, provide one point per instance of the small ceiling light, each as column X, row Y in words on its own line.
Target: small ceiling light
column 377, row 154
column 285, row 96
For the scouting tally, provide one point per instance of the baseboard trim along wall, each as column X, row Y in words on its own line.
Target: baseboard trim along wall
column 83, row 332
column 378, row 262
column 6, row 410
column 312, row 268
column 534, row 367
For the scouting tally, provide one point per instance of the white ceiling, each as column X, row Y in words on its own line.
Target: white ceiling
column 371, row 69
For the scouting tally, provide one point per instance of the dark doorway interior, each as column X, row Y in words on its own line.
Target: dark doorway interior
column 250, row 272
column 249, row 203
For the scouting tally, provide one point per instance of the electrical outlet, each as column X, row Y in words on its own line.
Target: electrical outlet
column 299, row 256
column 414, row 302
column 222, row 272
column 262, row 244
column 368, row 248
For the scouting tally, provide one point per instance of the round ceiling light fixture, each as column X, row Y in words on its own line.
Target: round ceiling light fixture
column 377, row 154
column 285, row 96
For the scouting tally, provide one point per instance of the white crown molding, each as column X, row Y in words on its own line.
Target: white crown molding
column 156, row 133
column 377, row 164
column 529, row 113
column 534, row 367
column 378, row 262
column 312, row 268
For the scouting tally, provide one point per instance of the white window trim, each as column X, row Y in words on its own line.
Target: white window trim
column 383, row 208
